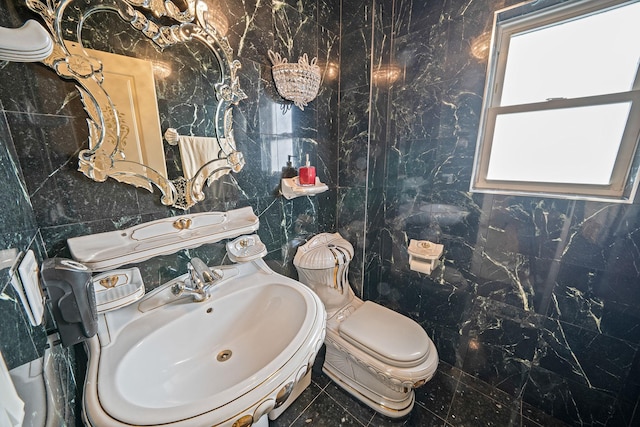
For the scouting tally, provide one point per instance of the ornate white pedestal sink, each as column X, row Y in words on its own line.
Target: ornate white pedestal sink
column 229, row 360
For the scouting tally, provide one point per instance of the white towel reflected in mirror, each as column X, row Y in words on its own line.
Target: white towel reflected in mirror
column 197, row 151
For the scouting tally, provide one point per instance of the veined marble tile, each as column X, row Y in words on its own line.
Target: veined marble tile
column 356, row 14
column 412, row 15
column 295, row 32
column 19, row 341
column 571, row 402
column 501, row 344
column 251, row 30
column 356, row 46
column 586, row 357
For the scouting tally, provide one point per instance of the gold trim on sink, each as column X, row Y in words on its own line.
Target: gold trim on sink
column 109, row 282
column 182, row 223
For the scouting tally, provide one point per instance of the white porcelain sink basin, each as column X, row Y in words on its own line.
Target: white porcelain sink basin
column 171, row 361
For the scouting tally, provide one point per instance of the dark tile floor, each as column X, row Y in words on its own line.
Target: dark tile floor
column 451, row 398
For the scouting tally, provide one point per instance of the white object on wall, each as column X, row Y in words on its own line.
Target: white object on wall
column 39, row 385
column 29, row 43
column 27, row 285
column 106, row 251
column 424, row 256
column 298, row 82
column 198, row 152
column 291, row 188
column 117, row 288
column 246, row 248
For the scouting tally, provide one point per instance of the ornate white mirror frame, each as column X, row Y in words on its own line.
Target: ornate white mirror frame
column 165, row 24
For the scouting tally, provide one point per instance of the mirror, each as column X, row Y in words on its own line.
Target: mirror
column 122, row 79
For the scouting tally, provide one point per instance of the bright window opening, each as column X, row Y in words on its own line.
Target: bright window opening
column 561, row 114
column 584, row 142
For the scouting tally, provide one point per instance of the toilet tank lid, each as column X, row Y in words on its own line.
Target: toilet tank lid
column 325, row 250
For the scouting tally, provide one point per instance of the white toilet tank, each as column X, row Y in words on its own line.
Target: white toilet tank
column 323, row 265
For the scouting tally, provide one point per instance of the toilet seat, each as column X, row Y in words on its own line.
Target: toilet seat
column 386, row 335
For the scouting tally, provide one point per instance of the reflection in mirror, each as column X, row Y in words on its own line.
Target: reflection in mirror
column 141, row 81
column 130, row 84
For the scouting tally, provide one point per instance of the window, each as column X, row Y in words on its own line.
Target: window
column 561, row 112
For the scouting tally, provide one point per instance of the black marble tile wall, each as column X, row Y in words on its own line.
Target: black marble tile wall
column 539, row 298
column 536, row 310
column 43, row 127
column 20, row 342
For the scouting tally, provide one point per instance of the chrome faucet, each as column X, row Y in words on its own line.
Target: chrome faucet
column 201, row 280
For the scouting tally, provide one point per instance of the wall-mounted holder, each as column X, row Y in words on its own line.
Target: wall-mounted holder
column 291, row 188
column 202, row 157
column 297, row 82
column 25, row 279
column 246, row 248
column 424, row 256
column 106, row 251
column 29, row 43
column 117, row 288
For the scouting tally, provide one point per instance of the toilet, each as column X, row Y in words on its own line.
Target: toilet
column 376, row 354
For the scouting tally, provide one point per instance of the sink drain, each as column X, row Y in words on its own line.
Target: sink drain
column 224, row 355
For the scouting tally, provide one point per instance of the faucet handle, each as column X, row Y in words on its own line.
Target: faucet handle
column 210, row 275
column 178, row 289
column 202, row 273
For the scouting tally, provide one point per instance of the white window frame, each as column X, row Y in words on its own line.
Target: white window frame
column 624, row 183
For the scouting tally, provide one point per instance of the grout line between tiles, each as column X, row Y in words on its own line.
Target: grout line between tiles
column 347, row 411
column 305, row 408
column 446, row 419
column 371, row 419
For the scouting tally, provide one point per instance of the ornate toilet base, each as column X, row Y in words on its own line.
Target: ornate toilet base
column 366, row 383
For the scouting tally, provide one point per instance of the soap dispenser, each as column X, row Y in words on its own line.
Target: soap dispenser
column 289, row 171
column 307, row 174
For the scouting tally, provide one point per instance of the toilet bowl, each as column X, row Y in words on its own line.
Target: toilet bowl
column 376, row 354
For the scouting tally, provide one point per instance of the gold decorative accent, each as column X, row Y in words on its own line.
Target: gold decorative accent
column 419, row 383
column 224, row 355
column 339, row 279
column 245, row 421
column 182, row 223
column 109, row 282
column 480, row 46
column 330, row 71
column 284, row 394
column 386, row 75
